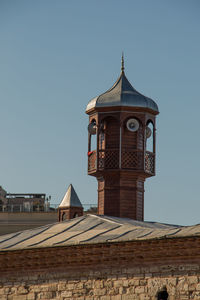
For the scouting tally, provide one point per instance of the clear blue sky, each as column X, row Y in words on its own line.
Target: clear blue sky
column 57, row 55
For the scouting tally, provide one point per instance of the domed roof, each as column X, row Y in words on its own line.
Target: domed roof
column 122, row 94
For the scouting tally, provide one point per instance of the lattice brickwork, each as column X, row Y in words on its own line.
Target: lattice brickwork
column 109, row 159
column 112, row 159
column 92, row 161
column 149, row 163
column 132, row 160
column 101, row 160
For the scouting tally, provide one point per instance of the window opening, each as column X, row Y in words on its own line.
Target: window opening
column 92, row 135
column 162, row 294
column 93, row 142
column 63, row 216
column 149, row 137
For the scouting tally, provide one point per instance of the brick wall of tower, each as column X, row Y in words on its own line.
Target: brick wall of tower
column 101, row 195
column 121, row 167
column 112, row 134
column 67, row 213
column 121, row 196
column 108, row 195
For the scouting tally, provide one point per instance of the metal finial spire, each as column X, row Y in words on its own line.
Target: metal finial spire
column 122, row 61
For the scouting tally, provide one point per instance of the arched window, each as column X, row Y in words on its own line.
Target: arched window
column 162, row 294
column 132, row 135
column 102, row 136
column 92, row 136
column 150, row 137
column 64, row 216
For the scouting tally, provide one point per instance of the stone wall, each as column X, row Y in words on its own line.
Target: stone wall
column 116, row 284
column 107, row 271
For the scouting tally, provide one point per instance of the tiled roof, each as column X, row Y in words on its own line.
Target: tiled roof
column 92, row 229
column 122, row 94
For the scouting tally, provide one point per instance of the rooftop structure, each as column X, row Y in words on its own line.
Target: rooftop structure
column 23, row 202
column 70, row 206
column 70, row 198
column 121, row 148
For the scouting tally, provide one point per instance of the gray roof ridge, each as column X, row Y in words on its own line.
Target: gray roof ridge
column 135, row 89
column 110, row 89
column 123, row 80
column 104, row 218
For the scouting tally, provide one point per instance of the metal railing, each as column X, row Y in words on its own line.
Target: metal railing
column 90, row 208
column 22, row 208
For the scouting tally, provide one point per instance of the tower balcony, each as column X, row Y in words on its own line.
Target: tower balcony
column 111, row 159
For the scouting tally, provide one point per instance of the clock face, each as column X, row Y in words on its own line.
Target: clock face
column 132, row 125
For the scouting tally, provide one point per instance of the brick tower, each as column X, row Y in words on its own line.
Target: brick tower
column 121, row 148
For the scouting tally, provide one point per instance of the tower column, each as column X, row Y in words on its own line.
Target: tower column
column 121, row 195
column 120, row 146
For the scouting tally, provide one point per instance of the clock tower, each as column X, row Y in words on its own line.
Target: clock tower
column 121, row 147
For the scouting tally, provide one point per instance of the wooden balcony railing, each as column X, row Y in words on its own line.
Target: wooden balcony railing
column 92, row 166
column 150, row 162
column 108, row 159
column 130, row 159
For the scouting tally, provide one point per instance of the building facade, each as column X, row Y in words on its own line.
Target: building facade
column 115, row 255
column 98, row 257
column 21, row 202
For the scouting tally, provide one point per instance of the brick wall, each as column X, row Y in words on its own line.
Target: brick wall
column 67, row 213
column 120, row 271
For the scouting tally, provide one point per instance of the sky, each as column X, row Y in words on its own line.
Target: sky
column 55, row 56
